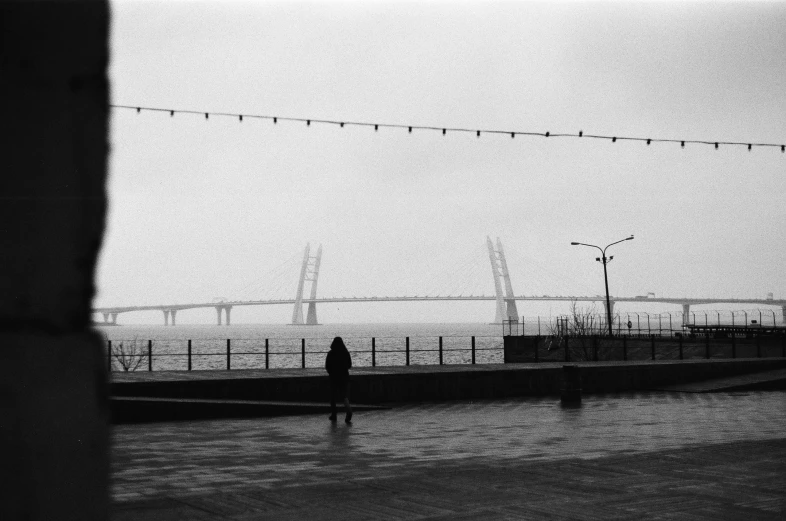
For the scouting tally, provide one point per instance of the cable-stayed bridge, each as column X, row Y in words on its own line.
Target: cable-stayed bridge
column 505, row 299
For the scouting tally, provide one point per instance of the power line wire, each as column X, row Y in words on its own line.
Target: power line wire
column 445, row 130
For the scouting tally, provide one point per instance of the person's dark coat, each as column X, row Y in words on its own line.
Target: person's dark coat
column 338, row 361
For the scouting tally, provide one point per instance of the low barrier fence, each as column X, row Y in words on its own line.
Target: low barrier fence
column 533, row 349
column 150, row 355
column 228, row 354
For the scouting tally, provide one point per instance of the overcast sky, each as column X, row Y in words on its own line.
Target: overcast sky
column 201, row 209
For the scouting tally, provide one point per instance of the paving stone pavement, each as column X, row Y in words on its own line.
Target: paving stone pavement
column 625, row 456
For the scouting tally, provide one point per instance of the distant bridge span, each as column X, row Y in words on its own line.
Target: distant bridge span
column 504, row 296
column 226, row 306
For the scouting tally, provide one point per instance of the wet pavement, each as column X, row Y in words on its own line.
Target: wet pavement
column 644, row 455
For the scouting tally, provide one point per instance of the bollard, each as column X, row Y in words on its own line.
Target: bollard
column 567, row 351
column 571, row 384
column 229, row 366
column 680, row 347
column 373, row 352
column 473, row 350
column 652, row 344
column 707, row 347
column 758, row 346
column 149, row 355
column 733, row 346
column 303, row 352
column 440, row 350
column 595, row 348
column 267, row 353
column 189, row 355
column 407, row 350
column 625, row 347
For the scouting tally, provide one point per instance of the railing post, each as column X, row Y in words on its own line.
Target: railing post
column 625, row 347
column 229, row 365
column 440, row 350
column 303, row 352
column 109, row 355
column 652, row 343
column 149, row 355
column 473, row 350
column 567, row 351
column 189, row 355
column 267, row 353
column 407, row 350
column 373, row 352
column 681, row 347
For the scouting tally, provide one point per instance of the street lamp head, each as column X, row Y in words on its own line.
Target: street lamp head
column 574, row 244
column 629, row 238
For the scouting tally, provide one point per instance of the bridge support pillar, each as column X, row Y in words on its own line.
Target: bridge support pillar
column 174, row 314
column 228, row 309
column 114, row 318
column 218, row 314
column 506, row 305
column 106, row 318
column 510, row 302
column 309, row 271
column 166, row 317
column 685, row 314
column 311, row 316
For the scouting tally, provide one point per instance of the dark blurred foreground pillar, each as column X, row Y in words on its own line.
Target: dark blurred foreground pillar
column 53, row 402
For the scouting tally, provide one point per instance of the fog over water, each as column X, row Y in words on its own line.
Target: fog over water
column 202, row 208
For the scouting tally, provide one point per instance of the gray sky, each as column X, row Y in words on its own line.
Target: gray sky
column 201, row 209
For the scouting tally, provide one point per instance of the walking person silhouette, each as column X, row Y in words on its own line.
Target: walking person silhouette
column 337, row 364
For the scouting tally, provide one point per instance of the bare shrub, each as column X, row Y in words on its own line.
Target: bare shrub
column 585, row 329
column 129, row 354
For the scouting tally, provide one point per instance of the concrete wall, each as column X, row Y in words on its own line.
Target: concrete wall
column 457, row 383
column 53, row 96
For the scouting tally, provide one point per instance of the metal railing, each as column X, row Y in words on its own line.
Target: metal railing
column 640, row 323
column 134, row 355
column 640, row 347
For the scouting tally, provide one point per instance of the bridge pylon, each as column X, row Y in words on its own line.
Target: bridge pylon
column 506, row 303
column 308, row 272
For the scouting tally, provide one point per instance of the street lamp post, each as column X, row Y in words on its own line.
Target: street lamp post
column 605, row 261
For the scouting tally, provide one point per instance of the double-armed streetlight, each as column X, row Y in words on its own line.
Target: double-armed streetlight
column 605, row 261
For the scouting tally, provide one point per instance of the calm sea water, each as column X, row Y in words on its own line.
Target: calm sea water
column 247, row 344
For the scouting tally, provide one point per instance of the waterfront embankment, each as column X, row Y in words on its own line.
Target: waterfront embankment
column 415, row 384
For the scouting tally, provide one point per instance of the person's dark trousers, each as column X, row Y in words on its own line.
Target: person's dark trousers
column 339, row 392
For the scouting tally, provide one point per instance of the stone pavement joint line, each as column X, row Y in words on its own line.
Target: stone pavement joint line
column 643, row 455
